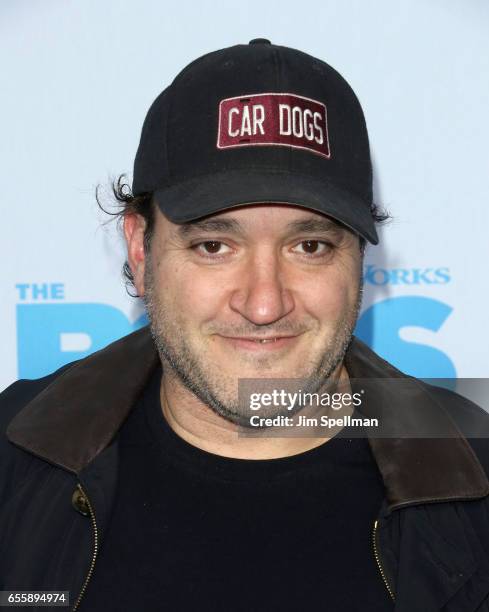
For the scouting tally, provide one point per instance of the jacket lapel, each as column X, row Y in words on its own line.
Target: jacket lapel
column 414, row 469
column 71, row 421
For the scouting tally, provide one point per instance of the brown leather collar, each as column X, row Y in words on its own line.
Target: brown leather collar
column 72, row 420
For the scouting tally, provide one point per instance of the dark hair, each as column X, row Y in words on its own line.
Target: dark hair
column 143, row 205
column 126, row 203
column 380, row 215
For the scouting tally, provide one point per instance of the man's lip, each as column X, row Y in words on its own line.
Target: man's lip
column 256, row 338
column 252, row 343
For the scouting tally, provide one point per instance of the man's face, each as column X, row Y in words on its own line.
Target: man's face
column 215, row 287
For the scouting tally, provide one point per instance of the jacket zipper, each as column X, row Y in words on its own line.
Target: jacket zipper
column 379, row 564
column 95, row 550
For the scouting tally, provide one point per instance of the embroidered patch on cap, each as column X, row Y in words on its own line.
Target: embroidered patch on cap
column 281, row 119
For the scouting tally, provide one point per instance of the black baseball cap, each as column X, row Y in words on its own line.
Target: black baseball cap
column 257, row 123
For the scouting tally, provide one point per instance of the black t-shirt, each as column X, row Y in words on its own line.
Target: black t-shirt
column 196, row 531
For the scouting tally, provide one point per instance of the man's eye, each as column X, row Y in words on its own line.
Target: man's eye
column 211, row 247
column 313, row 247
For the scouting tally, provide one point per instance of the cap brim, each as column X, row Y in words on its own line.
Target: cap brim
column 198, row 197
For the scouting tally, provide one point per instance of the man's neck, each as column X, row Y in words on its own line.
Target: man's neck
column 200, row 426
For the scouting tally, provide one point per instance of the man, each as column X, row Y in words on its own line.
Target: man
column 133, row 478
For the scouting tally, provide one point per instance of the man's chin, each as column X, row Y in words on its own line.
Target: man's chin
column 262, row 365
column 271, row 372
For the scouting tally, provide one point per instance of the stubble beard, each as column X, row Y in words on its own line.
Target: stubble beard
column 180, row 361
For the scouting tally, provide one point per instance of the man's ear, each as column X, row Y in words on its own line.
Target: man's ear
column 134, row 226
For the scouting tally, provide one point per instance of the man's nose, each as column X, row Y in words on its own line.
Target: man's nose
column 261, row 295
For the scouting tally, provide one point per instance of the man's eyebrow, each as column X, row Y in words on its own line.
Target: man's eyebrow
column 209, row 226
column 314, row 225
column 311, row 225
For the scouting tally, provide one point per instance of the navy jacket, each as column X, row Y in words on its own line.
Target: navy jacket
column 59, row 462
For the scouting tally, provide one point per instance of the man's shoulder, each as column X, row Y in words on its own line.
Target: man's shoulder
column 107, row 365
column 470, row 418
column 21, row 392
column 67, row 418
column 16, row 465
column 467, row 414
